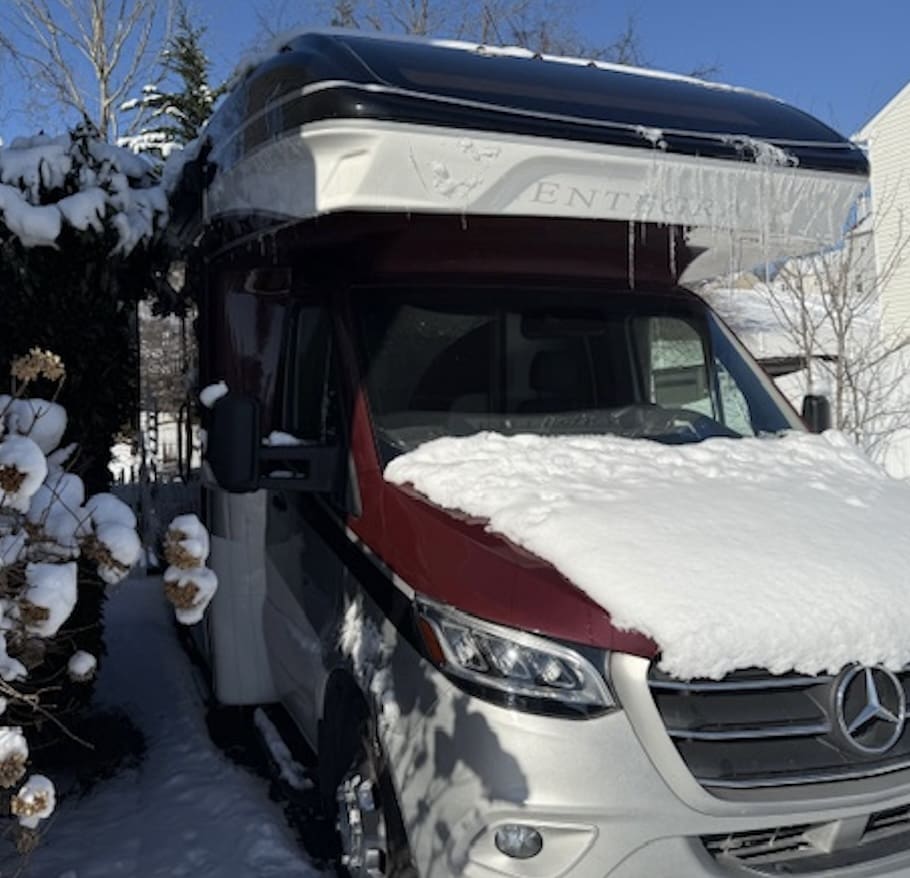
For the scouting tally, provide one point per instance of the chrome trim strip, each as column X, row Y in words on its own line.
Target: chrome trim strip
column 744, row 733
column 790, row 780
column 794, row 682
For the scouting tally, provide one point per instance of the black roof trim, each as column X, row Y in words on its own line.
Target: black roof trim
column 347, row 76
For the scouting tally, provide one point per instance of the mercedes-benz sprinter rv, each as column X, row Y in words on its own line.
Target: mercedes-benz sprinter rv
column 445, row 286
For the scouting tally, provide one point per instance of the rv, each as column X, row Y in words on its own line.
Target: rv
column 400, row 243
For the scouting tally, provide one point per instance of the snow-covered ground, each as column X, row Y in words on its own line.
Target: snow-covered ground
column 185, row 809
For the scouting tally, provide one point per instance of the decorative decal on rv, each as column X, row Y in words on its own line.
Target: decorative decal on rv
column 479, row 152
column 454, row 182
column 449, row 186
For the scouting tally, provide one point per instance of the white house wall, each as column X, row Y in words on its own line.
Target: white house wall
column 886, row 137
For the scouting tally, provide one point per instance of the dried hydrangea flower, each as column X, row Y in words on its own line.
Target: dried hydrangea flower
column 36, row 364
column 181, row 595
column 34, row 802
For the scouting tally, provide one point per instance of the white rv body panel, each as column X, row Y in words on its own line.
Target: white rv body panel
column 740, row 213
column 240, row 665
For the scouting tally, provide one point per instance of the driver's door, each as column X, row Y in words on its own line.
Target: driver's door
column 303, row 575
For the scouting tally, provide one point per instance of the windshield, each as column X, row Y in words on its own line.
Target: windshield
column 658, row 367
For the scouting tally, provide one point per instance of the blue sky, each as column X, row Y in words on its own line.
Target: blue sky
column 839, row 60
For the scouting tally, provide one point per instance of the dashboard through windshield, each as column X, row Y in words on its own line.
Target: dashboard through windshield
column 457, row 362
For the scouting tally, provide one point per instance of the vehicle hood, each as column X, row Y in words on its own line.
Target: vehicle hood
column 785, row 553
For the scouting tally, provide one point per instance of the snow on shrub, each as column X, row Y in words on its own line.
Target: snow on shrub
column 188, row 584
column 82, row 666
column 35, row 801
column 208, row 396
column 23, row 468
column 95, row 186
column 49, row 598
column 13, row 756
column 46, row 525
column 186, row 543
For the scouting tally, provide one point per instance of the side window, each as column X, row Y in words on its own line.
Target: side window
column 733, row 402
column 310, row 410
column 674, row 365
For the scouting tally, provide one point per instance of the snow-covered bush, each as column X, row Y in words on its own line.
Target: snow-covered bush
column 78, row 180
column 46, row 526
column 81, row 241
column 188, row 584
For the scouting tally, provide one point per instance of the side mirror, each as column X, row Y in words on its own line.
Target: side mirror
column 817, row 413
column 233, row 443
column 240, row 463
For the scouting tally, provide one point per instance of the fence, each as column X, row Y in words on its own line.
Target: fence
column 156, row 503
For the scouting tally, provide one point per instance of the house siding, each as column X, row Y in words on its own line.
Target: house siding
column 887, row 138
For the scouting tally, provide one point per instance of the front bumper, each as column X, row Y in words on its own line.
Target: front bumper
column 609, row 796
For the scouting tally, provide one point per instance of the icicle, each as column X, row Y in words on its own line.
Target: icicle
column 631, row 255
column 672, row 230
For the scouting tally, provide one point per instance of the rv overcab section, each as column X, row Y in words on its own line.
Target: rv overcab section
column 350, row 123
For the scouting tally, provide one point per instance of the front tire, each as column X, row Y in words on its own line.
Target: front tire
column 370, row 826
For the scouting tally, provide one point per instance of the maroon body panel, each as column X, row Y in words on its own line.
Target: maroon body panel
column 456, row 560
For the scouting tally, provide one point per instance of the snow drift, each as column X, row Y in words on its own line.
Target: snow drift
column 788, row 553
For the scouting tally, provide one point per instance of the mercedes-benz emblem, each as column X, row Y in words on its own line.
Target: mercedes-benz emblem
column 870, row 708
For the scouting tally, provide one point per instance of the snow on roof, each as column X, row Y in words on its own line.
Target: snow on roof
column 780, row 553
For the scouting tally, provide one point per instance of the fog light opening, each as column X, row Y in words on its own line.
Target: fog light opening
column 517, row 841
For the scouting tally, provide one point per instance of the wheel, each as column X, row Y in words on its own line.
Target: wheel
column 370, row 827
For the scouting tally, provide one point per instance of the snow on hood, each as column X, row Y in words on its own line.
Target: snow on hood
column 788, row 553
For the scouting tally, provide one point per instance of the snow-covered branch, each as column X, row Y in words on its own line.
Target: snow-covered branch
column 78, row 180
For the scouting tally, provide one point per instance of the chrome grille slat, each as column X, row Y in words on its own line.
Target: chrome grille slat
column 756, row 732
column 800, row 778
column 790, row 682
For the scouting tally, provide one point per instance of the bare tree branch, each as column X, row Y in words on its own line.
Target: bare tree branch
column 829, row 307
column 86, row 54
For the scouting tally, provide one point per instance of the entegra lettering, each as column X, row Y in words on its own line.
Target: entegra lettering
column 643, row 206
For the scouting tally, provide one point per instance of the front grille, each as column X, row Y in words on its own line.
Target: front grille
column 754, row 729
column 886, row 823
column 799, row 849
column 781, row 844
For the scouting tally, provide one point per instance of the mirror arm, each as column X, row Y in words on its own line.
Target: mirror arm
column 298, row 467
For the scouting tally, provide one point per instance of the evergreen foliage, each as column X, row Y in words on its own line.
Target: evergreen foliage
column 175, row 117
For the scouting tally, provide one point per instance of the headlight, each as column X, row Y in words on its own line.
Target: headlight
column 509, row 666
